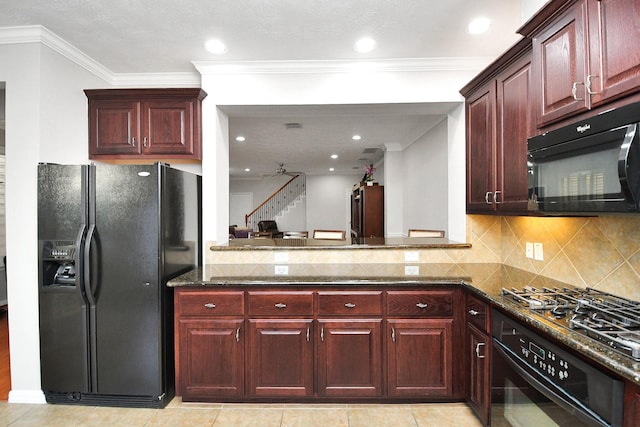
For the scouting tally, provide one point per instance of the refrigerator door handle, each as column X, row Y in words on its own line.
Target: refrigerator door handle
column 86, row 265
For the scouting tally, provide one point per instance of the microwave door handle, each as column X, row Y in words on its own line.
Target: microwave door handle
column 629, row 162
column 554, row 394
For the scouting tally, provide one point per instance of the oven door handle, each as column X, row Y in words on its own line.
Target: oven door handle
column 552, row 392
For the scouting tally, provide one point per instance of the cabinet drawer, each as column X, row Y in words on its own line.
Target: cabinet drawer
column 419, row 303
column 208, row 303
column 477, row 313
column 346, row 303
column 280, row 303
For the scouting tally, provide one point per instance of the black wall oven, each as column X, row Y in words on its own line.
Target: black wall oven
column 536, row 383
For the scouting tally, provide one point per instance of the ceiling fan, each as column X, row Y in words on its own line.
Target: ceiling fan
column 281, row 170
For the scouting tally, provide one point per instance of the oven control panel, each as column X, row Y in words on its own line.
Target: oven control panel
column 544, row 360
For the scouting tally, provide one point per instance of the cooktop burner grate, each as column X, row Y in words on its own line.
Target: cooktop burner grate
column 605, row 317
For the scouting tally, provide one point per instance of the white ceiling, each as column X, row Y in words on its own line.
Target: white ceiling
column 165, row 36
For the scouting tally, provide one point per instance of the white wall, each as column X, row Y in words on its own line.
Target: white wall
column 425, row 182
column 46, row 121
column 328, row 207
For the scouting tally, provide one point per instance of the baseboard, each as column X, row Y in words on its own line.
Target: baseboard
column 26, row 396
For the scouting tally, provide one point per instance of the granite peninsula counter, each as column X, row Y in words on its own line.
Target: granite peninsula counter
column 483, row 280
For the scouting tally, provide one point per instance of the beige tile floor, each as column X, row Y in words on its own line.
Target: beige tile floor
column 241, row 415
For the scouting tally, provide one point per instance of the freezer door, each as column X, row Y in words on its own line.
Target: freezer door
column 126, row 317
column 64, row 357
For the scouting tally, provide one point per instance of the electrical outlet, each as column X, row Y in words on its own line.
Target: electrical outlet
column 282, row 269
column 411, row 270
column 281, row 257
column 411, row 256
column 529, row 249
column 537, row 251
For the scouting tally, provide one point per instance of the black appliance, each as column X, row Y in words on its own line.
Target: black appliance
column 110, row 236
column 591, row 166
column 534, row 378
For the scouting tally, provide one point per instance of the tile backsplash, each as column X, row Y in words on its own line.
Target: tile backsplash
column 599, row 252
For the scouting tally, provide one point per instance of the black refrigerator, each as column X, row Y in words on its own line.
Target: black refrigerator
column 109, row 238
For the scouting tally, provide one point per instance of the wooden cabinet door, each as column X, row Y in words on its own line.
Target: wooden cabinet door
column 211, row 360
column 478, row 372
column 280, row 358
column 514, row 125
column 114, row 127
column 560, row 61
column 419, row 356
column 480, row 150
column 372, row 211
column 350, row 358
column 168, row 127
column 614, row 53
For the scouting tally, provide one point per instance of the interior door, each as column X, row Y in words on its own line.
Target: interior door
column 125, row 262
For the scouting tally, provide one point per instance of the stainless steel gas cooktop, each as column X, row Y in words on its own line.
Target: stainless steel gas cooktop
column 610, row 319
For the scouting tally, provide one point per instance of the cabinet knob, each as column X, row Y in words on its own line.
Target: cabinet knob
column 281, row 305
column 350, row 305
column 486, row 197
column 473, row 312
column 478, row 350
column 574, row 91
column 422, row 305
column 496, row 198
column 589, row 91
column 210, row 305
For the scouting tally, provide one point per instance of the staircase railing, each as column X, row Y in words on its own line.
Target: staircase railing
column 277, row 202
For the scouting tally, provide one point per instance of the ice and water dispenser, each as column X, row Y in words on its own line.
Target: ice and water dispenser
column 58, row 263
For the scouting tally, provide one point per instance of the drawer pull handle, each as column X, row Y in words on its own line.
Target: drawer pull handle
column 350, row 305
column 308, row 334
column 422, row 305
column 478, row 350
column 393, row 334
column 473, row 312
column 210, row 305
column 322, row 334
column 281, row 305
column 238, row 335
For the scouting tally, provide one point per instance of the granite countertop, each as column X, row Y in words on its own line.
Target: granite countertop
column 484, row 280
column 359, row 243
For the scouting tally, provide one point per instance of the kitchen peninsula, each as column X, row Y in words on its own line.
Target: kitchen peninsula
column 368, row 331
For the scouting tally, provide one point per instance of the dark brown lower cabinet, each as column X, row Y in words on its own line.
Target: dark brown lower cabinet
column 350, row 358
column 479, row 369
column 280, row 358
column 302, row 343
column 211, row 358
column 419, row 357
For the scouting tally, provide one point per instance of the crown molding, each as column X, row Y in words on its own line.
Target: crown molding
column 343, row 66
column 40, row 34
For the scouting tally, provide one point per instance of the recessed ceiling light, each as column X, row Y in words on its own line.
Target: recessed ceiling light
column 240, row 138
column 356, row 137
column 479, row 25
column 247, row 170
column 334, row 156
column 364, row 45
column 215, row 46
column 331, row 169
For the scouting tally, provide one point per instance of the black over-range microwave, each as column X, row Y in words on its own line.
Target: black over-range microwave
column 589, row 167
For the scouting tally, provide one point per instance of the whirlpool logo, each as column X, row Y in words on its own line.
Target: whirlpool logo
column 583, row 128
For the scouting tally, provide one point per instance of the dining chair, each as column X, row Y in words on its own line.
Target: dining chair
column 329, row 234
column 414, row 232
